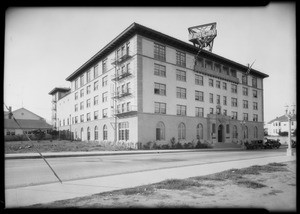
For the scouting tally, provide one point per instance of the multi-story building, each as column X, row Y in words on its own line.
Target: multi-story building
column 281, row 124
column 146, row 86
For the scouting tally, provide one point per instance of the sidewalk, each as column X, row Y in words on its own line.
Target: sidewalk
column 46, row 193
column 102, row 153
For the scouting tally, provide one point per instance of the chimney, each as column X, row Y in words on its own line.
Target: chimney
column 9, row 113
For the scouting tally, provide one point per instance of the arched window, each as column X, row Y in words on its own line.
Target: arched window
column 76, row 134
column 234, row 132
column 88, row 133
column 255, row 132
column 104, row 132
column 245, row 132
column 81, row 134
column 96, row 133
column 181, row 131
column 199, row 131
column 160, row 131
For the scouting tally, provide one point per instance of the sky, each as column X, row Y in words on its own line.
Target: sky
column 43, row 46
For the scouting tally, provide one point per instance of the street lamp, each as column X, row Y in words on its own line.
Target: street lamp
column 289, row 115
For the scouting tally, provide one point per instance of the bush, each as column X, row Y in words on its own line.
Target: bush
column 155, row 146
column 147, row 145
column 178, row 146
column 165, row 146
column 188, row 145
column 173, row 142
column 283, row 133
column 200, row 145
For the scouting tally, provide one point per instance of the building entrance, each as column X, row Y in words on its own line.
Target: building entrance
column 220, row 134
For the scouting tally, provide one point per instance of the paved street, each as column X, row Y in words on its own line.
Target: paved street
column 27, row 172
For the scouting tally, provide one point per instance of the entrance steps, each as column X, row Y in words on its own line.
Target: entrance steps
column 227, row 145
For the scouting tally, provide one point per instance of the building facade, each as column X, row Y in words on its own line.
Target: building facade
column 147, row 86
column 281, row 124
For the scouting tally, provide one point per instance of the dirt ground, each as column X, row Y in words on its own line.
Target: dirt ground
column 274, row 190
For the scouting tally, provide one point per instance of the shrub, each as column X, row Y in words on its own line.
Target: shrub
column 200, row 145
column 165, row 146
column 283, row 133
column 155, row 146
column 147, row 145
column 178, row 146
column 173, row 142
column 188, row 145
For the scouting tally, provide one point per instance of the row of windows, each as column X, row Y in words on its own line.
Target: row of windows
column 95, row 87
column 160, row 108
column 161, row 131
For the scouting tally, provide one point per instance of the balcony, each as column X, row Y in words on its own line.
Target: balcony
column 122, row 94
column 213, row 73
column 121, row 59
column 121, row 76
column 129, row 112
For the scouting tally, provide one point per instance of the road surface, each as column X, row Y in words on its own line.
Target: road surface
column 26, row 172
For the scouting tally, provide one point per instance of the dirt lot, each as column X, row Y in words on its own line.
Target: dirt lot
column 272, row 187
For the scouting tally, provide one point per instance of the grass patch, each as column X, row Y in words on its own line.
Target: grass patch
column 250, row 184
column 142, row 190
column 177, row 184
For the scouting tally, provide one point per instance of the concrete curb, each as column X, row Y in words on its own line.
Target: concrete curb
column 107, row 153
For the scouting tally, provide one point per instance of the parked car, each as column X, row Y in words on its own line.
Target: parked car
column 270, row 143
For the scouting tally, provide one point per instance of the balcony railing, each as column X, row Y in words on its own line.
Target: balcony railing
column 122, row 94
column 122, row 59
column 126, row 112
column 200, row 69
column 121, row 76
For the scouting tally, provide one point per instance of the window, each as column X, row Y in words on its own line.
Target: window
column 218, row 84
column 159, row 89
column 88, row 103
column 211, row 98
column 180, row 58
column 224, row 100
column 245, row 132
column 124, row 131
column 81, row 93
column 76, row 84
column 96, row 84
column 104, row 132
column 181, row 75
column 224, row 85
column 104, row 113
column 76, row 119
column 255, row 132
column 211, row 82
column 160, row 131
column 199, row 130
column 218, row 68
column 181, row 110
column 233, row 72
column 254, row 82
column 76, row 95
column 234, row 132
column 245, row 103
column 104, row 66
column 199, row 95
column 233, row 88
column 200, row 62
column 234, row 115
column 81, row 80
column 227, row 129
column 76, row 107
column 245, row 116
column 160, row 108
column 123, row 107
column 104, row 97
column 96, row 71
column 96, row 115
column 208, row 64
column 128, row 106
column 181, row 93
column 199, row 112
column 181, row 131
column 88, row 76
column 88, row 133
column 245, row 91
column 254, row 105
column 255, row 93
column 104, row 81
column 88, row 89
column 234, row 102
column 82, row 118
column 225, row 112
column 159, row 70
column 218, row 99
column 96, row 99
column 127, row 48
column 198, row 79
column 244, row 79
column 96, row 133
column 255, row 117
column 213, row 128
column 211, row 110
column 81, row 105
column 88, row 116
column 226, row 70
column 159, row 52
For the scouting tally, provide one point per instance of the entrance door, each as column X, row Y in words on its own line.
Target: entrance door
column 220, row 134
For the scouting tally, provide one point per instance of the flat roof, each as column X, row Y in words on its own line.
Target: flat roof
column 135, row 28
column 56, row 89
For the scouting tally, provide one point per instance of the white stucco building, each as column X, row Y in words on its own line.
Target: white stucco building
column 281, row 124
column 146, row 86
